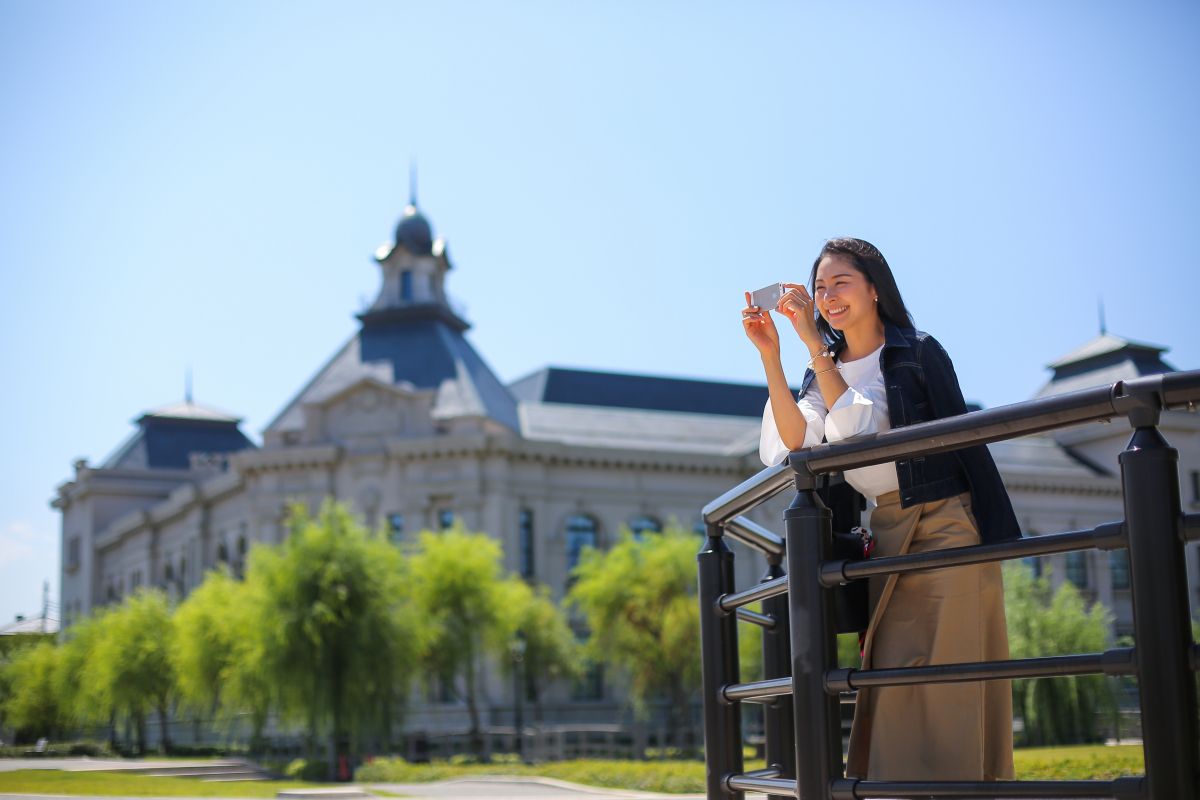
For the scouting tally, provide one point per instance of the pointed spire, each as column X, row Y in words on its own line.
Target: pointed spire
column 412, row 182
column 187, row 385
column 1103, row 326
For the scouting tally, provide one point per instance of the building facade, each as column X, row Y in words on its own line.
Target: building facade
column 408, row 424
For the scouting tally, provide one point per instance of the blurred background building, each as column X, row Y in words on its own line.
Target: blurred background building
column 408, row 424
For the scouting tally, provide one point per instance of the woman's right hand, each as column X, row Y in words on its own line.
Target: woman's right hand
column 798, row 306
column 760, row 329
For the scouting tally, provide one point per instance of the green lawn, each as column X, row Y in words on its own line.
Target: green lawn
column 49, row 781
column 1051, row 763
column 1085, row 762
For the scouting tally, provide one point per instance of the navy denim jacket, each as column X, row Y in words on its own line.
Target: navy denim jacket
column 921, row 386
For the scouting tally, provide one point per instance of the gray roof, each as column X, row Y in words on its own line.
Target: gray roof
column 35, row 625
column 648, row 392
column 167, row 437
column 1104, row 360
column 1042, row 456
column 585, row 408
column 420, row 349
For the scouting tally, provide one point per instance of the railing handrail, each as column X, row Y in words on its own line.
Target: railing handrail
column 798, row 622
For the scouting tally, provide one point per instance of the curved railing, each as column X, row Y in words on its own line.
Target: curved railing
column 802, row 682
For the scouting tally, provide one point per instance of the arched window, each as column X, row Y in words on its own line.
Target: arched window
column 582, row 532
column 406, row 285
column 644, row 524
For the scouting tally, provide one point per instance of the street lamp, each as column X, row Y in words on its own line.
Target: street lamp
column 518, row 656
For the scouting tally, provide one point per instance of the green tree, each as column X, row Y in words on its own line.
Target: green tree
column 85, row 697
column 639, row 601
column 551, row 650
column 219, row 650
column 32, row 706
column 334, row 629
column 133, row 662
column 458, row 587
column 1044, row 622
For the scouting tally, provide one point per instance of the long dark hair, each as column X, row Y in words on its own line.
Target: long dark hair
column 866, row 258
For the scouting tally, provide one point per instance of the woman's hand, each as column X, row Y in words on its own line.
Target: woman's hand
column 797, row 305
column 760, row 329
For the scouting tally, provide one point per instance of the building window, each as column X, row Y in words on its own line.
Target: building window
column 222, row 554
column 1034, row 564
column 406, row 285
column 73, row 554
column 1196, row 486
column 644, row 524
column 1118, row 563
column 1077, row 570
column 525, row 535
column 445, row 519
column 590, row 687
column 395, row 526
column 581, row 532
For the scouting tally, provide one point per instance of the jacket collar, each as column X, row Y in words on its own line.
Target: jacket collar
column 893, row 336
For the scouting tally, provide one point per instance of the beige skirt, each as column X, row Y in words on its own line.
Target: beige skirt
column 948, row 731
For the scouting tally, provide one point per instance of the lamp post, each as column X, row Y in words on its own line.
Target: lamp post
column 518, row 657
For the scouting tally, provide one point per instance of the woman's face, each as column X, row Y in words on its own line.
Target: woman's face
column 844, row 296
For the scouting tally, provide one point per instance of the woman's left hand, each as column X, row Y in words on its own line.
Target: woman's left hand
column 797, row 305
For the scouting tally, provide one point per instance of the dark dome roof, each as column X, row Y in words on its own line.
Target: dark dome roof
column 414, row 232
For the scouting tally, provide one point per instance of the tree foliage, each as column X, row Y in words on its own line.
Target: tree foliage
column 219, row 652
column 132, row 661
column 337, row 638
column 551, row 652
column 458, row 587
column 32, row 705
column 1044, row 622
column 639, row 601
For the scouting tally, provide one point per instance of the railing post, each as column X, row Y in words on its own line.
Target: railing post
column 778, row 723
column 809, row 541
column 719, row 665
column 1162, row 631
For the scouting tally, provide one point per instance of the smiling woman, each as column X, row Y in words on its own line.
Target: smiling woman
column 870, row 371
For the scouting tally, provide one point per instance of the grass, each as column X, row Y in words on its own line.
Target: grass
column 1079, row 762
column 1094, row 762
column 1085, row 762
column 48, row 781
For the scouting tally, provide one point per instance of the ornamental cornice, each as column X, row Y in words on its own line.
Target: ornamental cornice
column 554, row 454
column 249, row 462
column 1077, row 488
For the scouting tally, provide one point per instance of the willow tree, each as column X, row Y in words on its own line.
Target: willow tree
column 639, row 601
column 218, row 654
column 457, row 586
column 131, row 661
column 337, row 636
column 1047, row 622
column 550, row 651
column 32, row 706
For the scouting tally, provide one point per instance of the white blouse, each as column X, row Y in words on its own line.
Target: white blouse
column 862, row 409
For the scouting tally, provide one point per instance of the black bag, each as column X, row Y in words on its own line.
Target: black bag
column 850, row 601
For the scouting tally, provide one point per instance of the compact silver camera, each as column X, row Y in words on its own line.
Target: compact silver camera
column 767, row 297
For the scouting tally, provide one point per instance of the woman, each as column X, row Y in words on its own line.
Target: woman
column 871, row 371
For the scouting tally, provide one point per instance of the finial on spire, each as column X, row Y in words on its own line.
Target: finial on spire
column 412, row 182
column 1103, row 326
column 187, row 385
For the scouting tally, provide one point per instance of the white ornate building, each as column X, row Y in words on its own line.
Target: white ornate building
column 409, row 425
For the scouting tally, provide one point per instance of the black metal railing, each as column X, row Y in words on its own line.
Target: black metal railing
column 803, row 736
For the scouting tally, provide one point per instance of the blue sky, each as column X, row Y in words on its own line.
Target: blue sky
column 203, row 184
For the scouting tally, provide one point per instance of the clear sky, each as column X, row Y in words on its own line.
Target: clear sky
column 203, row 183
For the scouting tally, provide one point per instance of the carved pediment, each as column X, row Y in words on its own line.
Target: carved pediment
column 366, row 413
